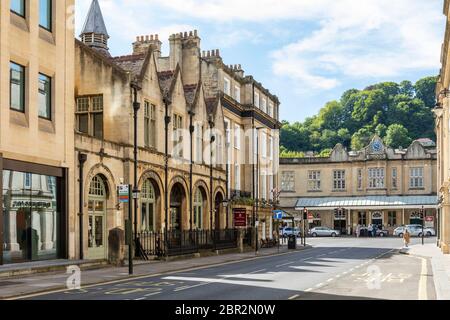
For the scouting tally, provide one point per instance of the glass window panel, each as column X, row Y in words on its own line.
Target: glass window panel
column 45, row 14
column 18, row 7
column 98, row 125
column 17, row 87
column 44, row 90
column 83, row 123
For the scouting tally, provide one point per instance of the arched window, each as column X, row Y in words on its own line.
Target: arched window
column 148, row 206
column 97, row 187
column 198, row 209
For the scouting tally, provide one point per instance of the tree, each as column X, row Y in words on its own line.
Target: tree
column 426, row 91
column 361, row 138
column 359, row 114
column 397, row 136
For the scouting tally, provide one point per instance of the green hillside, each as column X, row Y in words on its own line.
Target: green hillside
column 399, row 113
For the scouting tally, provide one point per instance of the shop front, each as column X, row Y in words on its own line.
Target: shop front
column 34, row 220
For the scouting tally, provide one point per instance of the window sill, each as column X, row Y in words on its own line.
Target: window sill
column 19, row 21
column 291, row 191
column 46, row 125
column 46, row 35
column 339, row 190
column 314, row 191
column 19, row 118
column 417, row 189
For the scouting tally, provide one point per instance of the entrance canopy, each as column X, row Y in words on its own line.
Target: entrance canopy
column 368, row 202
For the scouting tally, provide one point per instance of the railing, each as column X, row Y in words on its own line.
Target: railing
column 183, row 242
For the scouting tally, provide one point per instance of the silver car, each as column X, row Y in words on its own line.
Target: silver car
column 324, row 232
column 415, row 230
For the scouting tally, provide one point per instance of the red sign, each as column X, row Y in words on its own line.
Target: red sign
column 429, row 219
column 240, row 217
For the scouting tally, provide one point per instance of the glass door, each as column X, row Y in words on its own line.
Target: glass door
column 96, row 229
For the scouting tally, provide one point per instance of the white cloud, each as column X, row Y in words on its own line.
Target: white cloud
column 350, row 39
column 364, row 39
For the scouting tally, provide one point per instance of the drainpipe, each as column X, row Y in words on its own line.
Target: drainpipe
column 81, row 159
column 191, row 131
column 213, row 138
column 167, row 121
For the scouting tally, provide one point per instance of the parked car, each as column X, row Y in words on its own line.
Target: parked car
column 382, row 233
column 415, row 230
column 323, row 232
column 286, row 232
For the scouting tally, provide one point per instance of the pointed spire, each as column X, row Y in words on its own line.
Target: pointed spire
column 94, row 32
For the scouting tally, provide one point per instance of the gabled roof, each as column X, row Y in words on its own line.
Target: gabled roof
column 94, row 22
column 190, row 92
column 131, row 63
column 166, row 78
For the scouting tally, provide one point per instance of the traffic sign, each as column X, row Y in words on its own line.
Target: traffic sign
column 123, row 191
column 278, row 214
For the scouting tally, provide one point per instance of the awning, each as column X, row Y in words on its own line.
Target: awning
column 368, row 202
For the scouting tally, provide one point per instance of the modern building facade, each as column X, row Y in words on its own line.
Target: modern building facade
column 36, row 130
column 193, row 150
column 377, row 185
column 443, row 141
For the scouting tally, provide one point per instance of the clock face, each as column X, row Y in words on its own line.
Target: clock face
column 376, row 146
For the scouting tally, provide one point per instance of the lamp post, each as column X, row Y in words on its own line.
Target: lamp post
column 305, row 217
column 212, row 139
column 422, row 214
column 136, row 107
column 167, row 120
column 257, row 188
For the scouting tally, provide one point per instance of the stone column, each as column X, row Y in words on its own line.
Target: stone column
column 46, row 234
column 11, row 238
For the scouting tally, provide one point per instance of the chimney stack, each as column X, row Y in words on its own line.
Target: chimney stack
column 144, row 42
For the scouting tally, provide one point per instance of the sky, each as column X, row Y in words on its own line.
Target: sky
column 307, row 52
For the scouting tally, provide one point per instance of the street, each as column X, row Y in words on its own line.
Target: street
column 341, row 268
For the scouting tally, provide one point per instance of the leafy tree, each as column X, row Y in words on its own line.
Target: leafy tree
column 397, row 136
column 398, row 112
column 426, row 91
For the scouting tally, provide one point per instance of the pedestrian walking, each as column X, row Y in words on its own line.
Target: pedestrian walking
column 370, row 230
column 375, row 228
column 406, row 237
column 358, row 230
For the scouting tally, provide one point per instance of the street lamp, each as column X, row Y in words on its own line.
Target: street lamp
column 136, row 107
column 255, row 218
column 422, row 215
column 305, row 217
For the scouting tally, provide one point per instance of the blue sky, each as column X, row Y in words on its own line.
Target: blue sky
column 307, row 52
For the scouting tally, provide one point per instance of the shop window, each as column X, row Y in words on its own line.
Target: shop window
column 392, row 218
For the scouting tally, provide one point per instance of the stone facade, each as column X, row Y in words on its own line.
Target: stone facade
column 187, row 90
column 442, row 131
column 36, row 132
column 375, row 171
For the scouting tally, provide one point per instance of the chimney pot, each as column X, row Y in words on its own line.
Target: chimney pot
column 146, row 38
column 190, row 34
column 217, row 52
column 137, row 38
column 185, row 34
column 208, row 53
column 195, row 33
column 156, row 37
column 142, row 38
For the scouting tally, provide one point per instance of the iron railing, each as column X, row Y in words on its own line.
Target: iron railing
column 184, row 242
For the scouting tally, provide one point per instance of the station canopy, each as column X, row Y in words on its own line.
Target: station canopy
column 368, row 202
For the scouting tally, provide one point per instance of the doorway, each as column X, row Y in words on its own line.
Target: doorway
column 176, row 203
column 97, row 219
column 218, row 209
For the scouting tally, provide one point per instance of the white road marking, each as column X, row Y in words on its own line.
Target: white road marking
column 423, row 281
column 152, row 294
column 285, row 264
column 257, row 271
column 309, row 290
column 189, row 287
column 294, row 297
column 319, row 285
column 140, row 299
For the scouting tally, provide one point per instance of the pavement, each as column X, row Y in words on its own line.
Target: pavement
column 43, row 282
column 440, row 264
column 333, row 269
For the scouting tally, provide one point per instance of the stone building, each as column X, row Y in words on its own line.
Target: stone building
column 376, row 185
column 192, row 142
column 442, row 131
column 36, row 131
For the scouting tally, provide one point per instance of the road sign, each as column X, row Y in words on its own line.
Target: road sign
column 278, row 214
column 240, row 217
column 123, row 191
